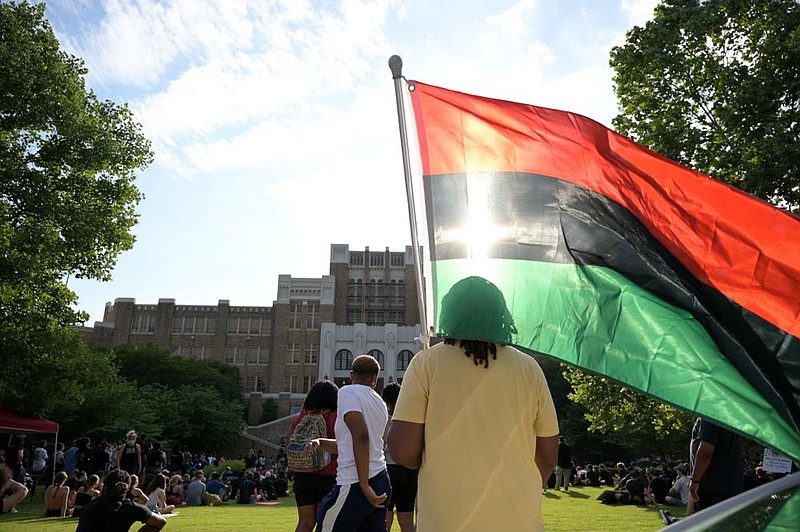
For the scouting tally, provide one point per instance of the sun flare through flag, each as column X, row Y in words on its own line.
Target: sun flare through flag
column 617, row 260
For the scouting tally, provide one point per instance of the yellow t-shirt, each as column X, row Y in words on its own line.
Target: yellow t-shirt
column 481, row 424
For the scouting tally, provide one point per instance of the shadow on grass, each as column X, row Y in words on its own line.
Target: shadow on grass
column 556, row 494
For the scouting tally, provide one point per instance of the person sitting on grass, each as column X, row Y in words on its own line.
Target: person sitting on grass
column 114, row 511
column 85, row 494
column 56, row 497
column 633, row 493
column 135, row 493
column 679, row 492
column 196, row 490
column 157, row 495
column 247, row 490
column 216, row 487
column 175, row 490
column 16, row 491
column 606, row 478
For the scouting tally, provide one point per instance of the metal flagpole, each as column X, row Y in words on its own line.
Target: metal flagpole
column 396, row 66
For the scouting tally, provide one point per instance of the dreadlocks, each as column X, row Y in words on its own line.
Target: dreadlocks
column 479, row 351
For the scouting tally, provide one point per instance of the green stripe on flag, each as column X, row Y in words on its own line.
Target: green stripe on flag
column 594, row 318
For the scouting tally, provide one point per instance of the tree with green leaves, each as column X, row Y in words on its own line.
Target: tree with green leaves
column 67, row 196
column 715, row 85
column 151, row 365
column 639, row 422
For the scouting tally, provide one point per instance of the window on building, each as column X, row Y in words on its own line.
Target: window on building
column 208, row 353
column 255, row 326
column 251, row 384
column 252, row 355
column 354, row 316
column 263, row 355
column 295, row 315
column 313, row 316
column 266, row 326
column 261, row 384
column 372, row 291
column 398, row 259
column 290, row 382
column 377, row 355
column 177, row 325
column 376, row 259
column 399, row 294
column 211, row 325
column 293, row 353
column 143, row 324
column 343, row 360
column 351, row 288
column 375, row 317
column 312, row 354
column 403, row 358
column 356, row 258
column 308, row 382
column 230, row 355
column 200, row 325
column 233, row 325
column 397, row 316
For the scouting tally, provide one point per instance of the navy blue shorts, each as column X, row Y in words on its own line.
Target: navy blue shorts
column 345, row 509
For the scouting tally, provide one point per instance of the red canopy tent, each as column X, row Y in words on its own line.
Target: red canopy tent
column 9, row 421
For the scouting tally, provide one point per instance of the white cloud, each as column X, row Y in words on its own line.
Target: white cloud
column 247, row 79
column 639, row 11
column 514, row 20
column 279, row 118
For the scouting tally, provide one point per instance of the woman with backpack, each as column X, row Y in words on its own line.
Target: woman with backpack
column 311, row 487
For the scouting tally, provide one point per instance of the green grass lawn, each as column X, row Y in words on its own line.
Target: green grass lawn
column 576, row 510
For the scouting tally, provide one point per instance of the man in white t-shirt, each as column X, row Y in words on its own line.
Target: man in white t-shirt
column 679, row 493
column 357, row 501
column 39, row 458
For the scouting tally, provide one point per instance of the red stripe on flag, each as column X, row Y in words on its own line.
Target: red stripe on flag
column 742, row 246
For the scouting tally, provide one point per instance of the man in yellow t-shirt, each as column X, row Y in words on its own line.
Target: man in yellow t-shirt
column 477, row 417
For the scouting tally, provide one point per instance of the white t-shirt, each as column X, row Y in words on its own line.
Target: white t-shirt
column 359, row 398
column 39, row 460
column 681, row 485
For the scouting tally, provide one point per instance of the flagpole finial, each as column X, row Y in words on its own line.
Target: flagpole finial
column 396, row 66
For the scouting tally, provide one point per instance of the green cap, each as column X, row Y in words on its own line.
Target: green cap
column 475, row 309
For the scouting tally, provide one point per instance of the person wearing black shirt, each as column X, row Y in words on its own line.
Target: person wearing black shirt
column 564, row 464
column 716, row 456
column 113, row 512
column 247, row 489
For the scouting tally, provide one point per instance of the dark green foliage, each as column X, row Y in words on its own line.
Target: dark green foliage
column 67, row 204
column 715, row 85
column 150, row 365
column 588, row 446
column 629, row 418
column 269, row 411
column 162, row 397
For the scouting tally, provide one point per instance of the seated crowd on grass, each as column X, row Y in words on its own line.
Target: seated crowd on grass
column 159, row 480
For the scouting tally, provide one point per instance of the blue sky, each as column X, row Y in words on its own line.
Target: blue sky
column 274, row 125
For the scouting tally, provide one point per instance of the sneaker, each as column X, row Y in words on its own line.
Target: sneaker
column 13, row 511
column 666, row 516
